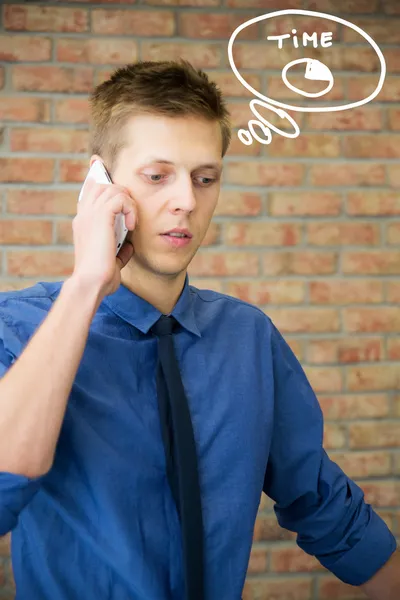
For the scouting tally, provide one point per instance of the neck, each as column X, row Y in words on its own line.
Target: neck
column 162, row 292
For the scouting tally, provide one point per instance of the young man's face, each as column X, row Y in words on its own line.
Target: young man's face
column 182, row 194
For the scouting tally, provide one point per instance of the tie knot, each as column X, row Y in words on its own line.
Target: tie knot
column 164, row 326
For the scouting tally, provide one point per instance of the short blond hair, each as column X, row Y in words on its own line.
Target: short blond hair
column 167, row 88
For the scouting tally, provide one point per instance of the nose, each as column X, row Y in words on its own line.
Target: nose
column 183, row 195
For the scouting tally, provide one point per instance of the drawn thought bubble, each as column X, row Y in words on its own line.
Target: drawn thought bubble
column 306, row 108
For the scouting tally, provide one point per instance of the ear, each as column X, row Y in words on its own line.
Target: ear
column 93, row 158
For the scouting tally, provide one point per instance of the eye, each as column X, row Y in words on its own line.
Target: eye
column 158, row 175
column 210, row 180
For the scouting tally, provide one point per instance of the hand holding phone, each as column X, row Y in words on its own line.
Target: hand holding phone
column 99, row 173
column 106, row 212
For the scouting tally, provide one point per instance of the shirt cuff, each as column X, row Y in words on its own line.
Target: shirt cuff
column 16, row 491
column 371, row 552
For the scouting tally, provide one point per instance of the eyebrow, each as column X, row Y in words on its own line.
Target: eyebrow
column 211, row 165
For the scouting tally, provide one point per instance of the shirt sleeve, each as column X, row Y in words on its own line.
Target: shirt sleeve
column 313, row 496
column 16, row 491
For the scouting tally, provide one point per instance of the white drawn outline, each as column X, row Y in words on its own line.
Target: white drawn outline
column 310, row 62
column 312, row 14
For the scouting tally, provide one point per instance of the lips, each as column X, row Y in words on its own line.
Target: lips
column 185, row 232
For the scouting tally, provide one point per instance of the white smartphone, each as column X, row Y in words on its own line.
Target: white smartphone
column 99, row 173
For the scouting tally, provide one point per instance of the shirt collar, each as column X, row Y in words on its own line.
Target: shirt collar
column 142, row 315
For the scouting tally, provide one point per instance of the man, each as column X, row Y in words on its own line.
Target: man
column 83, row 477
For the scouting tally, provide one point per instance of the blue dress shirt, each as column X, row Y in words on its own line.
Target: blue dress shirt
column 102, row 524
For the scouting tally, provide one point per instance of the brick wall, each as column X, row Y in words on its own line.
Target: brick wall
column 308, row 229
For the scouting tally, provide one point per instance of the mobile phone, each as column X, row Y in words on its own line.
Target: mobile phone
column 99, row 173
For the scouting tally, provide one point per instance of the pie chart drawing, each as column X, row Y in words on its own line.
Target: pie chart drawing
column 315, row 70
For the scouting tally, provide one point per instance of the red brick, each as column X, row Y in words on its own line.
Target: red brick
column 331, row 588
column 264, row 173
column 262, row 233
column 394, row 119
column 231, row 86
column 49, row 140
column 363, row 464
column 20, row 17
column 42, row 202
column 102, row 74
column 258, row 560
column 379, row 435
column 313, row 145
column 322, row 351
column 373, row 377
column 225, row 263
column 379, row 28
column 391, row 7
column 133, row 22
column 73, row 170
column 393, row 291
column 372, row 146
column 363, row 118
column 353, row 349
column 72, row 110
column 393, row 233
column 382, row 493
column 392, row 58
column 25, row 231
column 278, row 589
column 261, row 4
column 335, row 436
column 237, row 148
column 97, row 50
column 303, row 262
column 344, row 6
column 342, row 291
column 373, row 262
column 209, row 283
column 347, row 406
column 324, row 379
column 5, row 545
column 49, row 78
column 393, row 349
column 351, row 174
column 208, row 55
column 293, row 560
column 393, row 175
column 373, row 203
column 261, row 55
column 32, row 170
column 299, row 320
column 236, row 203
column 20, row 47
column 362, row 87
column 357, row 58
column 215, row 26
column 213, row 235
column 343, row 234
column 304, row 203
column 267, row 292
column 196, row 3
column 17, row 108
column 285, row 23
column 362, row 319
column 34, row 263
column 64, row 232
column 267, row 529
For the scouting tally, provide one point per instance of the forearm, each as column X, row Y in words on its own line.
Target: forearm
column 35, row 390
column 385, row 584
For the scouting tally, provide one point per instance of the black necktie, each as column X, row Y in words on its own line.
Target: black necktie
column 181, row 457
